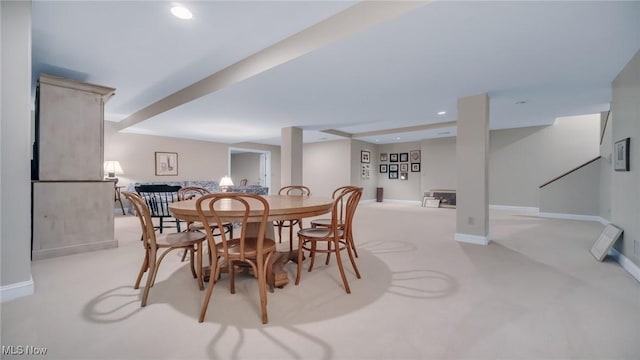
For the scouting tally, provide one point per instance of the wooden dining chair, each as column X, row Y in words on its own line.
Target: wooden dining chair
column 333, row 236
column 291, row 190
column 190, row 241
column 193, row 192
column 255, row 251
column 326, row 222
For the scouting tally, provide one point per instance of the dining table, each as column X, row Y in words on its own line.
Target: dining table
column 281, row 207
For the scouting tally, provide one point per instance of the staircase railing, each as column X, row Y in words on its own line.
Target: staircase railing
column 569, row 172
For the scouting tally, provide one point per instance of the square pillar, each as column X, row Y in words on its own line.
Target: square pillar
column 472, row 159
column 291, row 157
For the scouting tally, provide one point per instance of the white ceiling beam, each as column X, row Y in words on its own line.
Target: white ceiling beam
column 358, row 17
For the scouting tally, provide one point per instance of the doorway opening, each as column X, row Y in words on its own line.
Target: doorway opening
column 250, row 164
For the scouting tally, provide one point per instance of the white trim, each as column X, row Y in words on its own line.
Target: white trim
column 570, row 216
column 17, row 290
column 626, row 264
column 472, row 239
column 525, row 209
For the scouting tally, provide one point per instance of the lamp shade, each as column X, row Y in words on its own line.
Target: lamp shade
column 226, row 181
column 112, row 167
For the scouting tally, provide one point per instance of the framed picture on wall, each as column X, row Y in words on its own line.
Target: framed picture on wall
column 393, row 174
column 621, row 155
column 393, row 167
column 384, row 168
column 404, row 157
column 415, row 167
column 365, row 156
column 404, row 167
column 384, row 157
column 166, row 163
column 415, row 156
column 393, row 157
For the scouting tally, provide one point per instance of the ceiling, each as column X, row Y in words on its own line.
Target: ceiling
column 379, row 72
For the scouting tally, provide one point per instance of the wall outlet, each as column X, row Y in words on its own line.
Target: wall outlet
column 471, row 220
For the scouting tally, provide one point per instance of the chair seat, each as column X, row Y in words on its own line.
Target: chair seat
column 199, row 226
column 324, row 223
column 318, row 233
column 181, row 239
column 249, row 247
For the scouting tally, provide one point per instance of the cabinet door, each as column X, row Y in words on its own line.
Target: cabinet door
column 70, row 134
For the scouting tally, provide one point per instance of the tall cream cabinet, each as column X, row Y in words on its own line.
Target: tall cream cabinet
column 72, row 206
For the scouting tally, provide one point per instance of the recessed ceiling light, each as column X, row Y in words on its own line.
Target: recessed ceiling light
column 181, row 12
column 398, row 138
column 377, row 140
column 441, row 112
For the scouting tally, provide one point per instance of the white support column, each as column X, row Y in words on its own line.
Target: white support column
column 291, row 157
column 472, row 158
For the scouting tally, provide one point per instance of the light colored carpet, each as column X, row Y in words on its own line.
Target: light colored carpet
column 534, row 293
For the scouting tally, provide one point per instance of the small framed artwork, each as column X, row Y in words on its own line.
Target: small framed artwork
column 384, row 157
column 393, row 157
column 404, row 157
column 366, row 171
column 621, row 155
column 384, row 168
column 404, row 176
column 404, row 167
column 393, row 174
column 414, row 155
column 365, row 156
column 601, row 247
column 166, row 163
column 415, row 167
column 393, row 167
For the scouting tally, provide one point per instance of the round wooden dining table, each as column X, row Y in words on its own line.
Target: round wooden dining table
column 281, row 207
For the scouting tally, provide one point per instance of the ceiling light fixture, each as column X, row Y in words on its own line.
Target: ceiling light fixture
column 181, row 12
column 441, row 112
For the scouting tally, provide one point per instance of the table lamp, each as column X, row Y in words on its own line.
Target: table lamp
column 225, row 182
column 111, row 168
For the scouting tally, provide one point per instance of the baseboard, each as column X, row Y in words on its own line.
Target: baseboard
column 571, row 217
column 17, row 290
column 626, row 264
column 472, row 239
column 409, row 202
column 74, row 249
column 524, row 209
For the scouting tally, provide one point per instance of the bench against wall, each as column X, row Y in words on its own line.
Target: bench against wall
column 212, row 186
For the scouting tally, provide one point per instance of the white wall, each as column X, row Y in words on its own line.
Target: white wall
column 606, row 169
column 245, row 166
column 520, row 160
column 197, row 160
column 15, row 149
column 625, row 185
column 439, row 169
column 326, row 166
column 577, row 193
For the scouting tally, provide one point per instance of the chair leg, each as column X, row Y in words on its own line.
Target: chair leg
column 262, row 287
column 143, row 269
column 161, row 225
column 340, row 267
column 313, row 254
column 199, row 251
column 151, row 277
column 352, row 244
column 291, row 238
column 279, row 224
column 207, row 297
column 232, row 277
column 353, row 261
column 193, row 269
column 300, row 241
